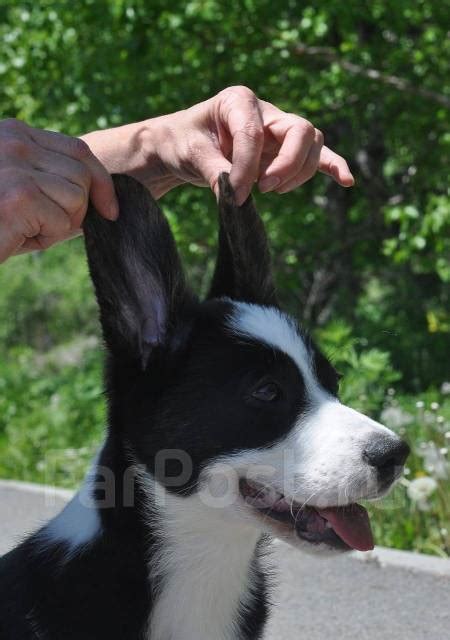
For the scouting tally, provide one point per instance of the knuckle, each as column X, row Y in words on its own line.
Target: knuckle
column 310, row 169
column 12, row 124
column 240, row 92
column 66, row 224
column 82, row 175
column 45, row 242
column 17, row 197
column 213, row 181
column 15, row 146
column 79, row 149
column 294, row 119
column 253, row 131
column 308, row 129
column 243, row 91
column 21, row 194
column 79, row 198
column 192, row 151
column 320, row 138
column 6, row 209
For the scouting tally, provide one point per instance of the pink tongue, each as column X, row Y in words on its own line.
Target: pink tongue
column 351, row 524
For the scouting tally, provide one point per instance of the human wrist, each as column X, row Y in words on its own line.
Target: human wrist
column 157, row 144
column 117, row 148
column 134, row 149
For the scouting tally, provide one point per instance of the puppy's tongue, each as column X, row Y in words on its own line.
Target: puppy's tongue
column 351, row 524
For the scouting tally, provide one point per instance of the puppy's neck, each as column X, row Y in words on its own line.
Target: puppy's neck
column 204, row 570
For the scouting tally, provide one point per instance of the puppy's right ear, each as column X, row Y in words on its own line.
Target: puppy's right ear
column 137, row 273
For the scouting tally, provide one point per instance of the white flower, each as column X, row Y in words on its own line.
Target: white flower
column 420, row 404
column 434, row 406
column 54, row 400
column 423, row 505
column 395, row 417
column 420, row 489
column 435, row 461
column 445, row 388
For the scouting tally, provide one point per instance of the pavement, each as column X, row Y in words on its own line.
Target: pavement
column 383, row 594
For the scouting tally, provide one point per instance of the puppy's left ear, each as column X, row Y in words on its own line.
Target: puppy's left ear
column 244, row 268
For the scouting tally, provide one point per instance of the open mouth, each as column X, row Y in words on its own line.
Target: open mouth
column 342, row 528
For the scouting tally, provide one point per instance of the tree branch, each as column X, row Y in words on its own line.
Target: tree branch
column 401, row 84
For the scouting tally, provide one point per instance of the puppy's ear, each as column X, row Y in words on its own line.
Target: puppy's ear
column 243, row 270
column 137, row 273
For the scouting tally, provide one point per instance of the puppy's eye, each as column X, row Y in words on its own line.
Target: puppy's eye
column 267, row 392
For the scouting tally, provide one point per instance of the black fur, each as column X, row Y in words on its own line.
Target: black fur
column 175, row 379
column 243, row 271
column 137, row 274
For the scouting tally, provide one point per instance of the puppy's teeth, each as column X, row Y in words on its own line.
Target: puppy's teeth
column 270, row 496
column 281, row 505
column 262, row 496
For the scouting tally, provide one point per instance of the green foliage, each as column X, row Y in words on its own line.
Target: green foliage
column 366, row 372
column 51, row 413
column 368, row 267
column 46, row 298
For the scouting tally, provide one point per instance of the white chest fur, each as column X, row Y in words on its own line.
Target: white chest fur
column 205, row 569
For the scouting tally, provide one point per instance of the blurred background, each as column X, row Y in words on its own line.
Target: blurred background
column 367, row 268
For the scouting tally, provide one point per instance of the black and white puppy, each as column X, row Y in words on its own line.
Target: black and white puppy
column 224, row 425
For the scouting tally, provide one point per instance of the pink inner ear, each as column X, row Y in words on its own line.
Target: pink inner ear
column 153, row 328
column 152, row 333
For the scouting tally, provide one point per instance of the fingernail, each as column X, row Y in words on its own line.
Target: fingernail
column 114, row 210
column 269, row 183
column 351, row 181
column 346, row 181
column 241, row 195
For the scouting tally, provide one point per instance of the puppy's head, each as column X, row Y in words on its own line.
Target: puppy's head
column 228, row 403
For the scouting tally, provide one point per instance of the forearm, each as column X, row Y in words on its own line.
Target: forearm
column 133, row 149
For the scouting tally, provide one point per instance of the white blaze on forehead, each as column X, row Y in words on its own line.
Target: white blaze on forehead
column 276, row 329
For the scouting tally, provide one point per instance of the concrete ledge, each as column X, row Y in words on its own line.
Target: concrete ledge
column 416, row 562
column 385, row 593
column 47, row 491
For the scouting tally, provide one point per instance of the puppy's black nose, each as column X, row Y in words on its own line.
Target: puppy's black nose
column 386, row 452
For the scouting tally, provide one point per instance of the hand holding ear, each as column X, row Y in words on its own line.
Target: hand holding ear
column 46, row 180
column 249, row 138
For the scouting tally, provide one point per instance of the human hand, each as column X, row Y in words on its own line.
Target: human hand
column 237, row 132
column 46, row 180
